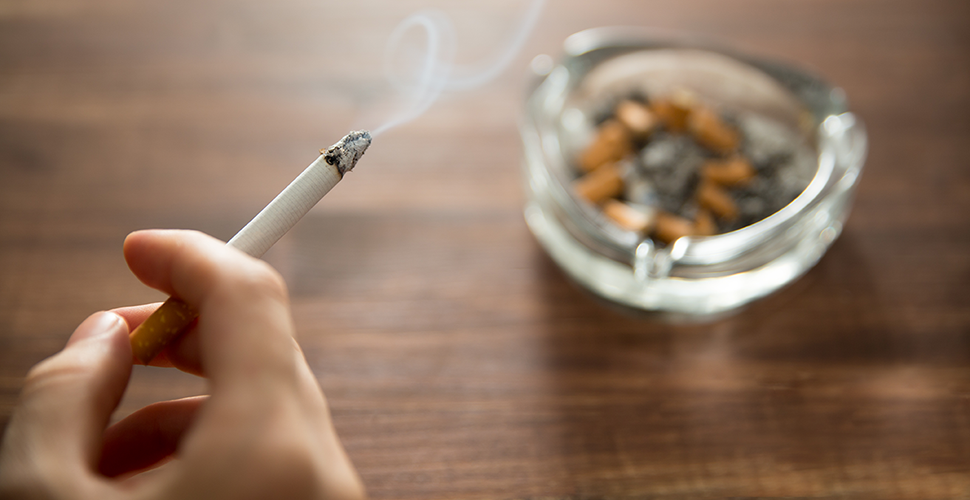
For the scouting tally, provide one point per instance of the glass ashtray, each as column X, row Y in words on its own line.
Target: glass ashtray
column 701, row 273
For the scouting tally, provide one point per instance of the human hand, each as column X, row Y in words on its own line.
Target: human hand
column 264, row 432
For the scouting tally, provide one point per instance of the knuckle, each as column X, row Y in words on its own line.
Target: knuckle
column 263, row 280
column 51, row 372
column 235, row 274
column 35, row 476
column 294, row 465
column 301, row 465
column 271, row 280
column 25, row 485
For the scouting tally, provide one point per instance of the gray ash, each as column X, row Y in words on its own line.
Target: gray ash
column 347, row 151
column 671, row 163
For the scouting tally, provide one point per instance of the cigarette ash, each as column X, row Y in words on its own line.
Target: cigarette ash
column 347, row 151
column 672, row 166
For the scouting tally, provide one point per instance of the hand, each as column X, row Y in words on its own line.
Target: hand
column 264, row 432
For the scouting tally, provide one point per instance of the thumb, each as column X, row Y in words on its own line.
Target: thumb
column 68, row 398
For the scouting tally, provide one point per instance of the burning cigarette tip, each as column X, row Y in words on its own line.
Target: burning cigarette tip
column 347, row 151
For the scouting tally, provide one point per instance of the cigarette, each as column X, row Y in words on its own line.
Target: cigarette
column 632, row 217
column 717, row 200
column 668, row 227
column 637, row 117
column 704, row 223
column 710, row 131
column 675, row 110
column 612, row 143
column 731, row 172
column 269, row 225
column 600, row 184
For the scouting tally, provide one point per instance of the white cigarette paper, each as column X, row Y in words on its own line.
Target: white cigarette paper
column 269, row 225
column 301, row 195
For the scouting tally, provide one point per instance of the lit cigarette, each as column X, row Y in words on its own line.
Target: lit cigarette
column 259, row 235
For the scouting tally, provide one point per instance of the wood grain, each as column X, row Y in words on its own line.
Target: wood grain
column 458, row 360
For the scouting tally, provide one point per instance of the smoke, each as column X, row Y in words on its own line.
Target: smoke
column 419, row 63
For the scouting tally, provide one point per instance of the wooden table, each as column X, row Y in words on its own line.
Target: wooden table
column 459, row 361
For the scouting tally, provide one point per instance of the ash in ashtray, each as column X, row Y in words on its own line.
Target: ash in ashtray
column 672, row 167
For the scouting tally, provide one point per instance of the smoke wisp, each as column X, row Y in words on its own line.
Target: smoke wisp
column 419, row 63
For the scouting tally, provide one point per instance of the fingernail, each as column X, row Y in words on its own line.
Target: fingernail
column 99, row 324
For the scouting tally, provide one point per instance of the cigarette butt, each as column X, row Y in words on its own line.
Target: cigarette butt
column 600, row 184
column 710, row 131
column 166, row 323
column 674, row 110
column 636, row 117
column 668, row 227
column 704, row 224
column 637, row 218
column 611, row 144
column 731, row 172
column 717, row 200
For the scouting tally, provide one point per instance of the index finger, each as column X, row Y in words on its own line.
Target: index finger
column 245, row 332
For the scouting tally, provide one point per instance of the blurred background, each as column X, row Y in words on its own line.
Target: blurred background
column 458, row 360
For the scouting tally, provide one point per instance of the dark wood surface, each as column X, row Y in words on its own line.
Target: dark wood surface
column 458, row 360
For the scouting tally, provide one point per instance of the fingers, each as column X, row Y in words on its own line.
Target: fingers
column 147, row 436
column 68, row 398
column 266, row 429
column 136, row 315
column 244, row 320
column 182, row 353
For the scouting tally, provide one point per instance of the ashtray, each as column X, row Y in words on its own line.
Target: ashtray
column 672, row 174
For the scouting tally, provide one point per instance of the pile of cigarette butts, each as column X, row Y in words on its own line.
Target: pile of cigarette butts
column 673, row 166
